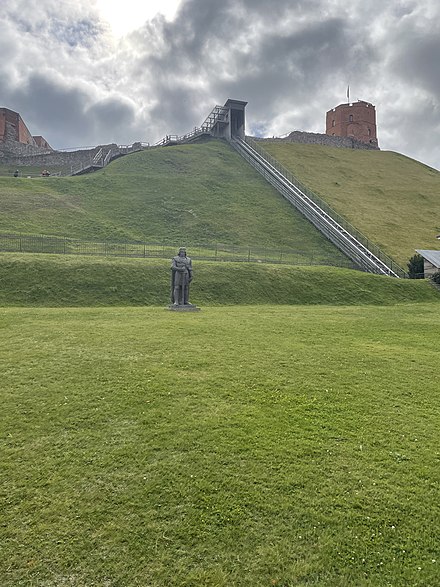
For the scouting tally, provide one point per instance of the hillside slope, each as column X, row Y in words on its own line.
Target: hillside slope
column 393, row 200
column 57, row 281
column 196, row 194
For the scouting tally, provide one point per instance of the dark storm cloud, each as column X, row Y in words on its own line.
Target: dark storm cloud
column 69, row 111
column 111, row 118
column 419, row 64
column 53, row 104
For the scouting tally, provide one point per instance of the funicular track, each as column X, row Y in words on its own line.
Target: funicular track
column 366, row 255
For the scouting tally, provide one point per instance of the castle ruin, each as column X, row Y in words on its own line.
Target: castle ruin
column 16, row 138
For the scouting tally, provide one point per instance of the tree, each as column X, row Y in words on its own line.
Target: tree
column 415, row 267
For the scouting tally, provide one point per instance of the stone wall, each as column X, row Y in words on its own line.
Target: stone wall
column 47, row 159
column 13, row 149
column 311, row 138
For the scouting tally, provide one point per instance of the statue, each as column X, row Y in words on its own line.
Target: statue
column 181, row 277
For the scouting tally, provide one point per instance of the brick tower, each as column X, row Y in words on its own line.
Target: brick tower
column 356, row 120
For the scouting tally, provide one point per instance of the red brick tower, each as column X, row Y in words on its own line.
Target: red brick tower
column 355, row 120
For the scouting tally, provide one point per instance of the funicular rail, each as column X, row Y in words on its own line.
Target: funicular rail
column 324, row 219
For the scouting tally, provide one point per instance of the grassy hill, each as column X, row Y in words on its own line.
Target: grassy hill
column 56, row 280
column 205, row 193
column 25, row 171
column 195, row 194
column 393, row 200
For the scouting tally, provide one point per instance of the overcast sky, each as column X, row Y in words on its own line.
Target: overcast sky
column 84, row 72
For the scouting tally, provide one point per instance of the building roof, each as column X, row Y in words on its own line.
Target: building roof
column 432, row 256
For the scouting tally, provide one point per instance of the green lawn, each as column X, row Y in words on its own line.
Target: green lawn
column 240, row 446
column 390, row 198
column 62, row 280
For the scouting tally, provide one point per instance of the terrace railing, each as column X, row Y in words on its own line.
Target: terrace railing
column 20, row 243
column 197, row 132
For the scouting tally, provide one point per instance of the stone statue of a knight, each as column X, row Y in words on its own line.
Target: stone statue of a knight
column 181, row 277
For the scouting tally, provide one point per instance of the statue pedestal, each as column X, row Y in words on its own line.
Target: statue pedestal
column 183, row 308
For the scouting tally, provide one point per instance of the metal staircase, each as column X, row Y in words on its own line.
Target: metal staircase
column 349, row 240
column 216, row 118
column 97, row 158
column 218, row 115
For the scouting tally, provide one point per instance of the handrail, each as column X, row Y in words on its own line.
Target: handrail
column 173, row 139
column 97, row 157
column 342, row 233
column 102, row 161
column 217, row 114
column 92, row 147
column 107, row 158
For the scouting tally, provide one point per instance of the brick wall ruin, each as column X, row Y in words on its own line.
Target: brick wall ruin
column 15, row 137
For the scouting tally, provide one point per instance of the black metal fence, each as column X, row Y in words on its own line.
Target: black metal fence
column 19, row 243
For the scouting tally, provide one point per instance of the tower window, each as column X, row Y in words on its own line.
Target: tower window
column 350, row 118
column 333, row 122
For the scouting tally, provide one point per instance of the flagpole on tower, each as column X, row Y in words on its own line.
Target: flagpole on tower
column 348, row 93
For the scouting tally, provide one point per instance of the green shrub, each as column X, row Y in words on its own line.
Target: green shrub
column 436, row 277
column 415, row 267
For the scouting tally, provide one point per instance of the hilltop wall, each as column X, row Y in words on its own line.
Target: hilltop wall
column 10, row 149
column 311, row 138
column 49, row 159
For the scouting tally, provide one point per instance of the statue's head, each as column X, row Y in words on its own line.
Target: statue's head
column 182, row 252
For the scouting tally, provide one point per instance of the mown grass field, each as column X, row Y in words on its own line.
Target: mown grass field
column 390, row 198
column 240, row 446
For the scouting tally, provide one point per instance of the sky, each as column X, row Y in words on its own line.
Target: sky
column 88, row 72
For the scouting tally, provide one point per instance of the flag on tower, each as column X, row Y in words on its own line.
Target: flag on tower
column 348, row 94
